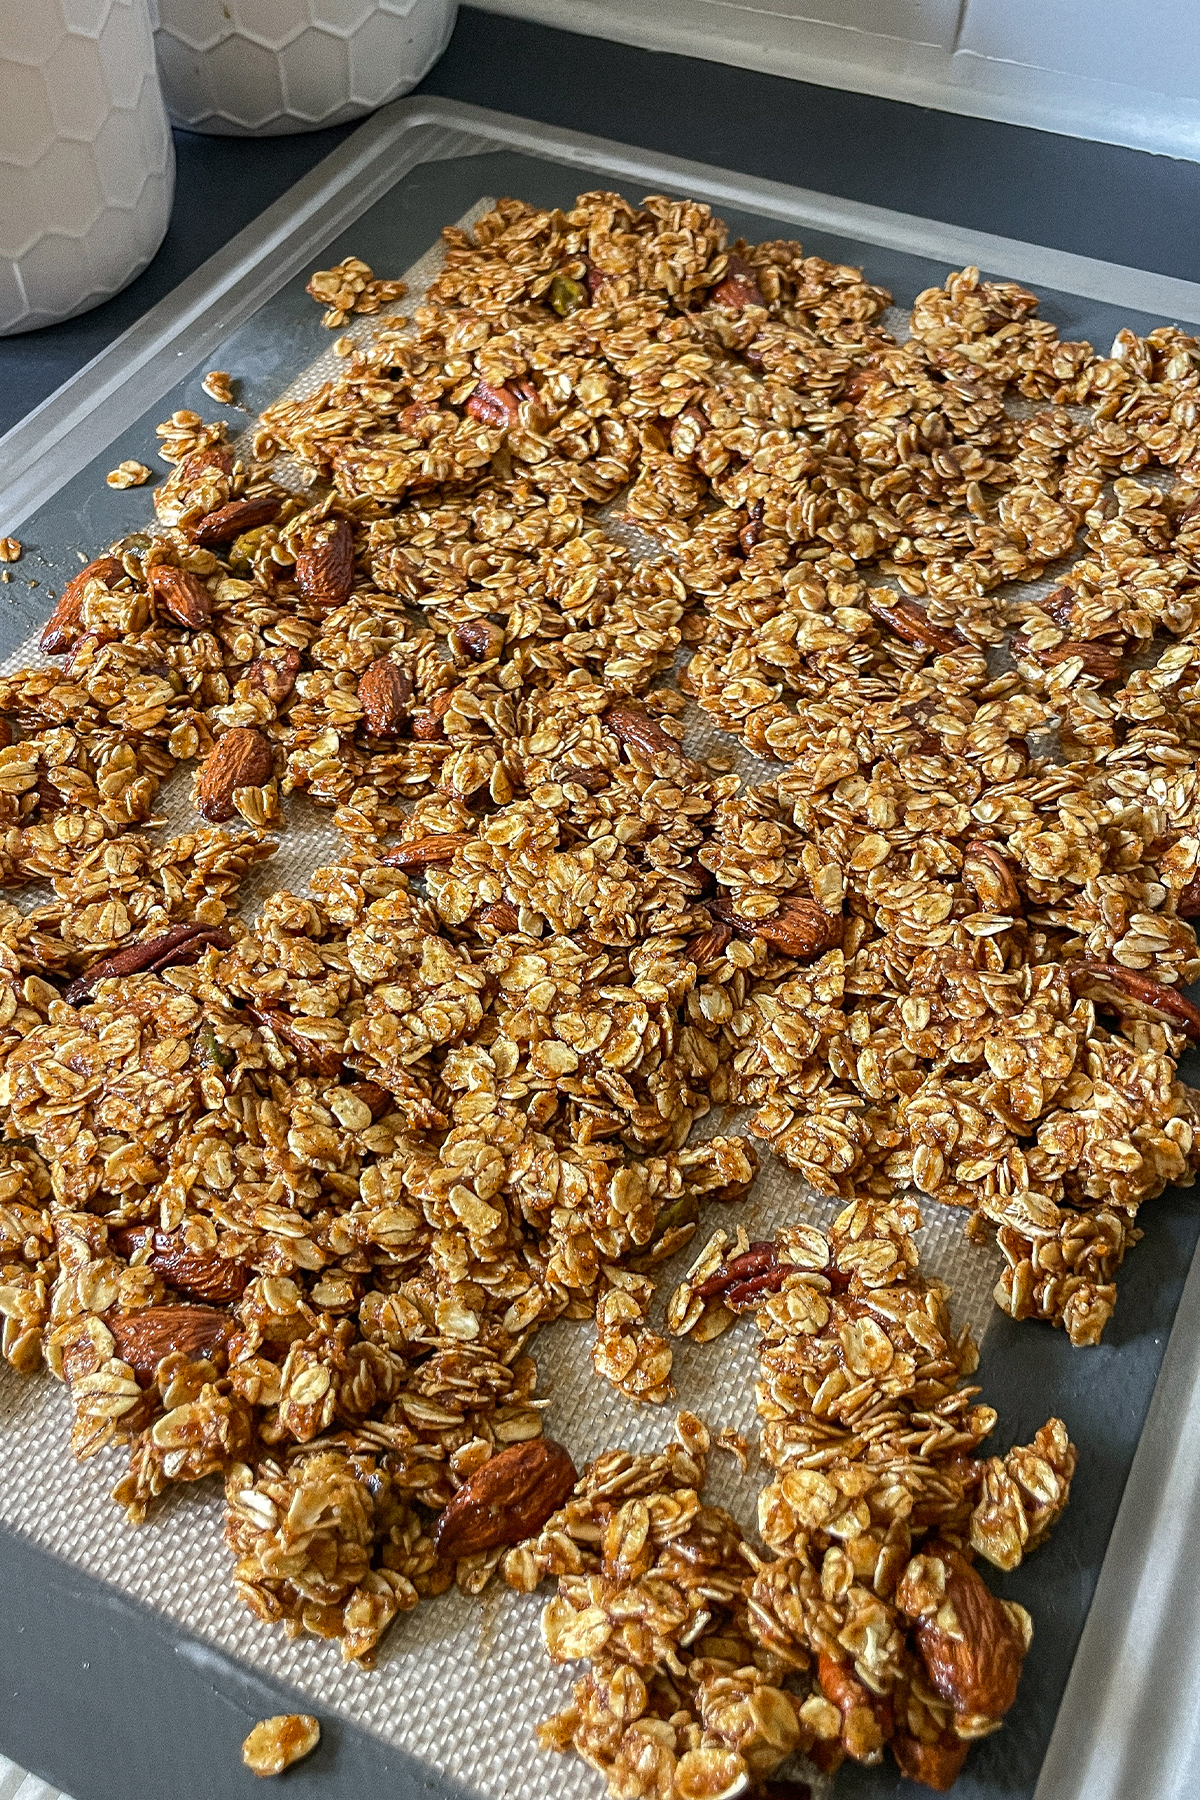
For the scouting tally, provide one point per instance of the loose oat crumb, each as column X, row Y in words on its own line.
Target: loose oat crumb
column 11, row 549
column 218, row 385
column 128, row 475
column 343, row 346
column 276, row 1743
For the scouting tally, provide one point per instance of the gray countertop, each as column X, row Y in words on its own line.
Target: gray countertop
column 98, row 1695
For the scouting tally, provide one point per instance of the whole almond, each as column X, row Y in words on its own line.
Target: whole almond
column 706, row 946
column 229, row 521
column 201, row 1277
column 974, row 1659
column 752, row 530
column 325, row 566
column 429, row 723
column 800, row 927
column 1099, row 661
column 182, row 595
column 385, row 695
column 172, row 949
column 427, row 850
column 739, row 287
column 638, row 731
column 274, row 673
column 1058, row 605
column 509, row 1498
column 934, row 1765
column 241, row 758
column 218, row 457
column 142, row 1339
column 501, row 916
column 62, row 626
column 480, row 639
column 376, row 1098
column 1188, row 904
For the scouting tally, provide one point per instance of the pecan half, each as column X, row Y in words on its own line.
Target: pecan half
column 325, row 566
column 1098, row 660
column 241, row 758
column 509, row 1498
column 495, row 406
column 800, row 927
column 229, row 521
column 740, row 1280
column 173, row 949
column 274, row 673
column 969, row 1642
column 424, row 851
column 142, row 1339
column 638, row 731
column 63, row 624
column 1151, row 993
column 385, row 695
column 912, row 623
column 480, row 639
column 990, row 878
column 429, row 723
column 739, row 286
column 201, row 1277
column 182, row 595
column 314, row 1057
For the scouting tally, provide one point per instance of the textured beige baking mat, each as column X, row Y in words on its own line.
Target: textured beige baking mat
column 460, row 1683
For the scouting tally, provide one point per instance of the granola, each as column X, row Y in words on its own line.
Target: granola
column 867, row 1626
column 286, row 1197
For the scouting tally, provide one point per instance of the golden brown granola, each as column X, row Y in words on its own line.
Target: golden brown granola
column 287, row 1196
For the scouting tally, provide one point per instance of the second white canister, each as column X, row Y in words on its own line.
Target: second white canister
column 250, row 68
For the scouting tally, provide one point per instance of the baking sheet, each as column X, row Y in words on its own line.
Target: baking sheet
column 461, row 1682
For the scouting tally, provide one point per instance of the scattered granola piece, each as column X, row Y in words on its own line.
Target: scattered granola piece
column 129, row 474
column 275, row 1744
column 11, row 549
column 351, row 287
column 218, row 385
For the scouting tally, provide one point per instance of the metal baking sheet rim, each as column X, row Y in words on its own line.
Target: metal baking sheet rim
column 1130, row 1716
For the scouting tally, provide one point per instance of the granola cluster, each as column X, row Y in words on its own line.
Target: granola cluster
column 867, row 1625
column 285, row 1198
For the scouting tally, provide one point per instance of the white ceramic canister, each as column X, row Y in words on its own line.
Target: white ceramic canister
column 87, row 166
column 251, row 68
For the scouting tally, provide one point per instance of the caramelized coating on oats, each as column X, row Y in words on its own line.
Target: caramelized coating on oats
column 868, row 1607
column 292, row 1212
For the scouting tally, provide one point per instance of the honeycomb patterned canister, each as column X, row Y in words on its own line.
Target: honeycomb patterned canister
column 87, row 166
column 262, row 67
